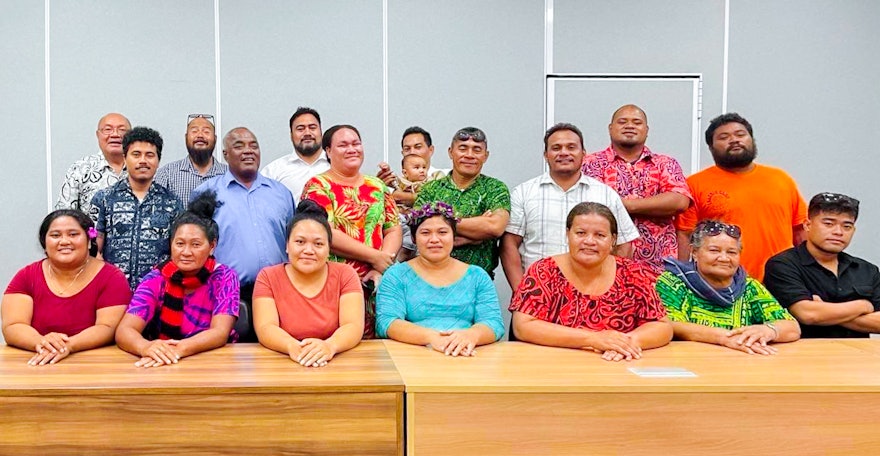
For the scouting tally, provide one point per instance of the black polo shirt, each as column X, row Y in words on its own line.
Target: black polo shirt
column 794, row 275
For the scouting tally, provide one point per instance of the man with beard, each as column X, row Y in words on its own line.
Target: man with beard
column 764, row 201
column 307, row 159
column 184, row 175
column 831, row 293
column 133, row 216
column 651, row 185
column 91, row 173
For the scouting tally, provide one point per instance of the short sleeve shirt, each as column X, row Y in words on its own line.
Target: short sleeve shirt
column 83, row 179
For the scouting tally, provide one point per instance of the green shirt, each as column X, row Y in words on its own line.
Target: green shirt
column 756, row 305
column 484, row 194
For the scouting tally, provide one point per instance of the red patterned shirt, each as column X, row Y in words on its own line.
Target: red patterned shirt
column 632, row 300
column 651, row 175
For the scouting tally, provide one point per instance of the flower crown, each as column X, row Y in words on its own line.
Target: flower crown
column 417, row 216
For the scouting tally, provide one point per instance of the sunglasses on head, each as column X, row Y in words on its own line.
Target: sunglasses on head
column 207, row 117
column 712, row 228
column 829, row 197
column 470, row 133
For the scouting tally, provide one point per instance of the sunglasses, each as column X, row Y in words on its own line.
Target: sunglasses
column 829, row 197
column 207, row 117
column 713, row 228
column 470, row 133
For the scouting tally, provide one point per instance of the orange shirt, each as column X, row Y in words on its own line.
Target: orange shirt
column 303, row 317
column 764, row 202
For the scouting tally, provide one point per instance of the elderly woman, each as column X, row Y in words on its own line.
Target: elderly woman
column 588, row 298
column 361, row 212
column 188, row 304
column 709, row 299
column 309, row 309
column 68, row 302
column 435, row 299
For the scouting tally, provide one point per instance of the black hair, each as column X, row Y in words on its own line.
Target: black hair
column 410, row 157
column 833, row 203
column 303, row 110
column 81, row 218
column 309, row 210
column 200, row 213
column 560, row 127
column 724, row 119
column 416, row 130
column 327, row 138
column 590, row 208
column 143, row 134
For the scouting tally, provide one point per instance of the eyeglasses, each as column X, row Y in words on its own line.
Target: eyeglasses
column 713, row 228
column 829, row 197
column 108, row 130
column 207, row 117
column 470, row 133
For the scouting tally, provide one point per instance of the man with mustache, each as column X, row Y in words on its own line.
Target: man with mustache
column 252, row 215
column 133, row 216
column 307, row 159
column 831, row 293
column 539, row 207
column 86, row 176
column 763, row 201
column 652, row 185
column 184, row 175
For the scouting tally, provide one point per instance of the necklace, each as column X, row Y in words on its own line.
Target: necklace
column 72, row 282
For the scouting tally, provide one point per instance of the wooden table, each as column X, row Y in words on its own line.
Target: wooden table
column 240, row 399
column 816, row 397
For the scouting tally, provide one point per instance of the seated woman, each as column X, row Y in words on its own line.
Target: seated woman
column 588, row 298
column 188, row 304
column 68, row 302
column 709, row 299
column 310, row 309
column 435, row 299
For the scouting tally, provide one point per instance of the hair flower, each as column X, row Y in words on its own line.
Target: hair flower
column 93, row 233
column 417, row 216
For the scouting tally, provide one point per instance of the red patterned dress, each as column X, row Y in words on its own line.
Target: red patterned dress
column 632, row 300
column 364, row 213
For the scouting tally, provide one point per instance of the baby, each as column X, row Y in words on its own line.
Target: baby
column 414, row 176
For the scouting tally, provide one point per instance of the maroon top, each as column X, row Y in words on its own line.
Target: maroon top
column 632, row 301
column 72, row 314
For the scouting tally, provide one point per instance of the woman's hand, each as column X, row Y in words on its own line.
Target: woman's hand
column 382, row 260
column 159, row 353
column 51, row 349
column 314, row 353
column 615, row 345
column 750, row 339
column 455, row 343
column 374, row 276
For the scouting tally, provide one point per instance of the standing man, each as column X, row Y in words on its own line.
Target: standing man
column 540, row 206
column 252, row 215
column 307, row 160
column 416, row 141
column 184, row 175
column 831, row 293
column 85, row 177
column 764, row 201
column 133, row 216
column 482, row 202
column 652, row 186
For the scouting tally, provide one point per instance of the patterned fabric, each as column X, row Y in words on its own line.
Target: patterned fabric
column 539, row 207
column 404, row 295
column 181, row 177
column 756, row 305
column 363, row 213
column 136, row 233
column 176, row 286
column 651, row 175
column 83, row 179
column 546, row 294
column 484, row 194
column 219, row 296
column 252, row 223
column 294, row 172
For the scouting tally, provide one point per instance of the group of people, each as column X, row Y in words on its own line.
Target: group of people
column 615, row 252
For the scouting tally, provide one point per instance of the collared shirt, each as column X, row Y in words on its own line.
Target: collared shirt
column 83, row 179
column 794, row 275
column 136, row 233
column 650, row 175
column 294, row 172
column 539, row 207
column 182, row 177
column 484, row 194
column 252, row 223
